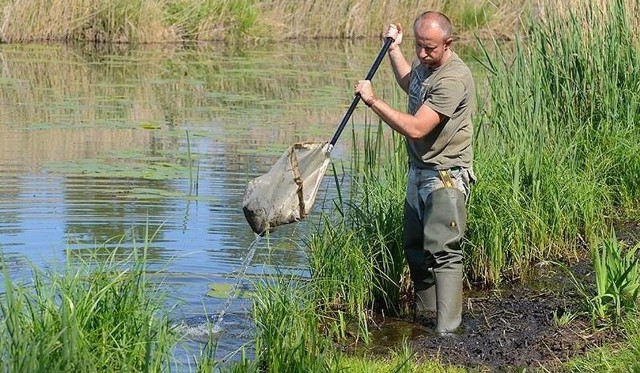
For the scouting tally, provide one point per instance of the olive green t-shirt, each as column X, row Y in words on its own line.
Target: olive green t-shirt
column 448, row 89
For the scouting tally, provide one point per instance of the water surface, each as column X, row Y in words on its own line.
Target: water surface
column 107, row 147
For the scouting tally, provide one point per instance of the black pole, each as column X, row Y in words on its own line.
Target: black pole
column 356, row 98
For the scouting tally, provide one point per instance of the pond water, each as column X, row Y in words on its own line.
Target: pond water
column 104, row 146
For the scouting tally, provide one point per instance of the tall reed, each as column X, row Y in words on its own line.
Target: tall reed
column 375, row 208
column 558, row 144
column 359, row 245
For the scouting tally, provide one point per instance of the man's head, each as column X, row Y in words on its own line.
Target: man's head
column 433, row 34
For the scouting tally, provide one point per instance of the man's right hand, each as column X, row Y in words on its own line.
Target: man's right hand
column 394, row 31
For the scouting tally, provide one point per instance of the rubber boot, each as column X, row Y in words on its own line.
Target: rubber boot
column 449, row 301
column 425, row 300
column 424, row 310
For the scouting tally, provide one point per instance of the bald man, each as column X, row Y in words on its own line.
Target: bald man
column 438, row 130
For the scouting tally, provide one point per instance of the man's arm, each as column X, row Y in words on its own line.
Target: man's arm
column 399, row 64
column 412, row 126
column 401, row 68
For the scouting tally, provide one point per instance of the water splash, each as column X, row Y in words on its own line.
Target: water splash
column 233, row 293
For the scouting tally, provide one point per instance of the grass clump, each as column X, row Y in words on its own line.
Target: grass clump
column 294, row 335
column 288, row 328
column 102, row 316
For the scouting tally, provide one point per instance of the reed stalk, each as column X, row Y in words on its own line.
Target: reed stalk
column 558, row 151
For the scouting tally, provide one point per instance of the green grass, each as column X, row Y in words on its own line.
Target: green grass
column 103, row 316
column 557, row 151
column 623, row 357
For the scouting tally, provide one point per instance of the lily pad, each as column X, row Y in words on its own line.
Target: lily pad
column 101, row 168
column 224, row 290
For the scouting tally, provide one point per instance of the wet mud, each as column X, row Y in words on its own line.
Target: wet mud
column 519, row 328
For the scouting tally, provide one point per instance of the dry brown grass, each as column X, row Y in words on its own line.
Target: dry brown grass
column 90, row 20
column 143, row 21
column 146, row 21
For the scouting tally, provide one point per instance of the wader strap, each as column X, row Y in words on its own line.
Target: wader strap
column 446, row 179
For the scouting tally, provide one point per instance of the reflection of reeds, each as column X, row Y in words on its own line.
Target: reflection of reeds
column 193, row 178
column 122, row 98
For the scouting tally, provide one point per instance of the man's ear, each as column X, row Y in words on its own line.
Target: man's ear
column 448, row 42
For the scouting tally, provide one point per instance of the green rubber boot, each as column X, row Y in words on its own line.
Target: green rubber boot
column 425, row 305
column 426, row 300
column 449, row 301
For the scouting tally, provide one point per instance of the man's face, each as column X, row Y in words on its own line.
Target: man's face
column 431, row 44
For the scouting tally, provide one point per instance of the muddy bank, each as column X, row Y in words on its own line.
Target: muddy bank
column 505, row 330
column 521, row 327
column 519, row 331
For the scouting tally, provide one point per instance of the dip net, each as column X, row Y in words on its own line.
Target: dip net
column 286, row 193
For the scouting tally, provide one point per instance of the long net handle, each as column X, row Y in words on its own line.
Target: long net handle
column 356, row 98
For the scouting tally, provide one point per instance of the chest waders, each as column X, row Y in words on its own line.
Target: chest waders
column 434, row 226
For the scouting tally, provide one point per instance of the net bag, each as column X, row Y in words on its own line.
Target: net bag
column 286, row 193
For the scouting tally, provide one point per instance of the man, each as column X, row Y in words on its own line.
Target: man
column 438, row 133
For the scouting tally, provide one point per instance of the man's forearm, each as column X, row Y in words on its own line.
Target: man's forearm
column 401, row 68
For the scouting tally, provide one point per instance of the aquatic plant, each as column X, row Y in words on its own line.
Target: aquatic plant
column 98, row 316
column 557, row 152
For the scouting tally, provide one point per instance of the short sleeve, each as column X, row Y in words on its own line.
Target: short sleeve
column 446, row 96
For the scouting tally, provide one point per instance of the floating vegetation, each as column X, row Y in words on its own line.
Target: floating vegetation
column 152, row 193
column 102, row 168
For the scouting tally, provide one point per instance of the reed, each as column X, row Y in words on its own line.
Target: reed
column 145, row 21
column 98, row 21
column 374, row 211
column 557, row 145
